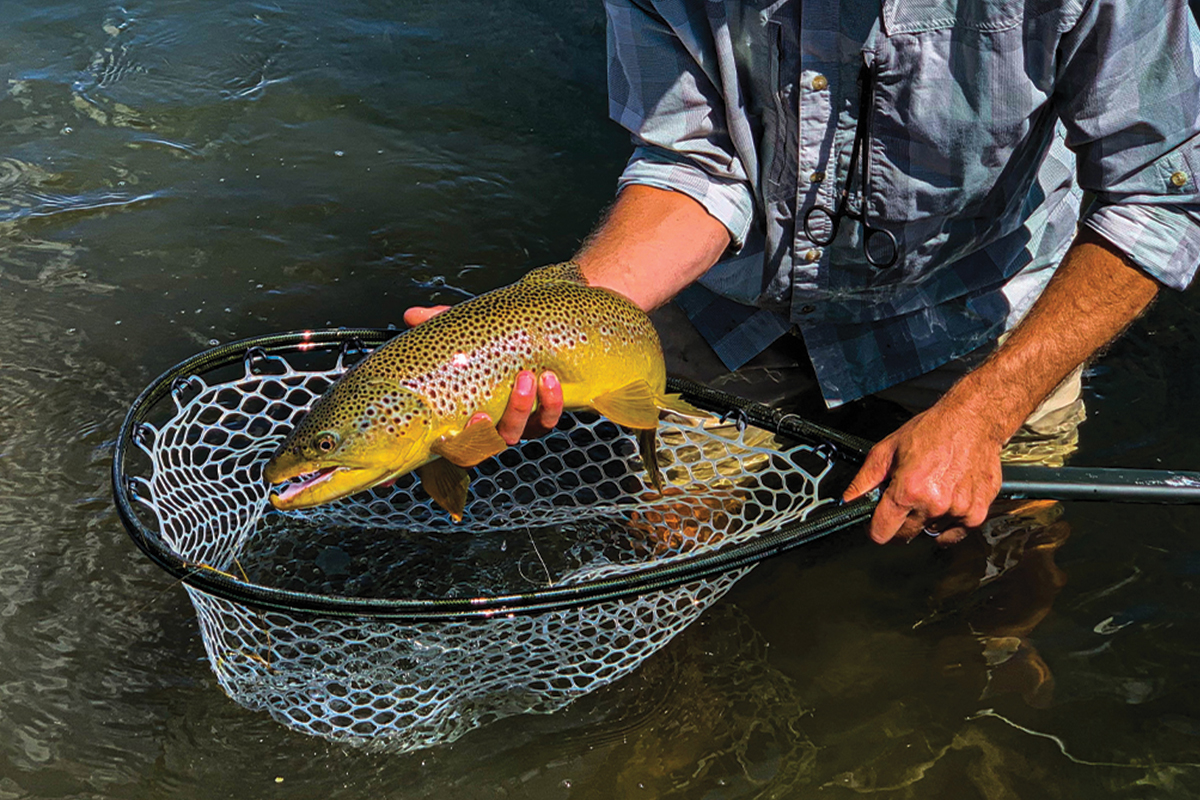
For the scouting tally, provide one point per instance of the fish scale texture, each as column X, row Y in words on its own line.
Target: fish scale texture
column 569, row 508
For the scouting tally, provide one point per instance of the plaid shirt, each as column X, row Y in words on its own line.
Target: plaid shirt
column 991, row 117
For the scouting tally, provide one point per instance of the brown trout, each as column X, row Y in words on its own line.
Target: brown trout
column 406, row 406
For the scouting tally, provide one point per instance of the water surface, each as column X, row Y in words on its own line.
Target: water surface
column 174, row 174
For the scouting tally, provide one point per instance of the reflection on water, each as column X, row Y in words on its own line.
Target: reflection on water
column 1000, row 585
column 177, row 173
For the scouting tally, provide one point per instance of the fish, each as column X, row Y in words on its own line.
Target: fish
column 406, row 406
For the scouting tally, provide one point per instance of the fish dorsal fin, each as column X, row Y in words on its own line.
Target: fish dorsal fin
column 634, row 405
column 446, row 484
column 566, row 272
column 475, row 443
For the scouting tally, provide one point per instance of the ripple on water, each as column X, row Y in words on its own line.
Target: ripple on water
column 149, row 56
column 88, row 659
column 30, row 193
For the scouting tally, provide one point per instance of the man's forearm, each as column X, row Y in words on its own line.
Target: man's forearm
column 652, row 244
column 1092, row 298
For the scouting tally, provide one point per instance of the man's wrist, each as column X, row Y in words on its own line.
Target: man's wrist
column 994, row 407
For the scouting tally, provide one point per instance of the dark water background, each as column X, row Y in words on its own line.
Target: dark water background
column 180, row 172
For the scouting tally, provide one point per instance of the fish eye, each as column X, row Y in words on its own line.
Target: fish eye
column 326, row 441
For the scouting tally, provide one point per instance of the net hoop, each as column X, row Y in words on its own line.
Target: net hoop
column 557, row 598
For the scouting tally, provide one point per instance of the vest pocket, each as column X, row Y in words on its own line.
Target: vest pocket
column 915, row 16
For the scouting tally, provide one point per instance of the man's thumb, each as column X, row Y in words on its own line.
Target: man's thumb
column 418, row 314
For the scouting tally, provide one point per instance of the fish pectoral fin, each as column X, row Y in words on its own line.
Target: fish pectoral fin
column 634, row 405
column 447, row 484
column 474, row 444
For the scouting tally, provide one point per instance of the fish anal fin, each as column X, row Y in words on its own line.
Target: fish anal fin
column 474, row 444
column 634, row 405
column 447, row 484
column 648, row 445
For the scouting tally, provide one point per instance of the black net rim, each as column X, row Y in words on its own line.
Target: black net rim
column 667, row 576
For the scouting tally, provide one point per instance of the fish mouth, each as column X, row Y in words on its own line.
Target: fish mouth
column 299, row 484
column 324, row 485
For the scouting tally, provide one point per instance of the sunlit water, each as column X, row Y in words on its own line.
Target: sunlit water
column 178, row 173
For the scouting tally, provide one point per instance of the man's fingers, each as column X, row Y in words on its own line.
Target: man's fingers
column 534, row 407
column 951, row 535
column 972, row 501
column 974, row 511
column 520, row 405
column 941, row 469
column 891, row 518
column 418, row 314
column 549, row 405
column 892, row 515
column 874, row 470
column 928, row 512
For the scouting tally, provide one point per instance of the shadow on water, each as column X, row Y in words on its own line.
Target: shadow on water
column 175, row 174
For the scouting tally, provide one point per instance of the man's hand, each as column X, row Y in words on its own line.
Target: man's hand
column 534, row 406
column 944, row 464
column 945, row 473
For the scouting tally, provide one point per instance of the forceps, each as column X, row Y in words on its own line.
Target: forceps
column 880, row 237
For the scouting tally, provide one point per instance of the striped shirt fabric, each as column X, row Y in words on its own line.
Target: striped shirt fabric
column 990, row 121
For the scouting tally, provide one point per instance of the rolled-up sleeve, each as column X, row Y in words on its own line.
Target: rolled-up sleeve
column 663, row 88
column 1129, row 95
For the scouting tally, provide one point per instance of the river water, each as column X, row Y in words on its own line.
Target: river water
column 184, row 172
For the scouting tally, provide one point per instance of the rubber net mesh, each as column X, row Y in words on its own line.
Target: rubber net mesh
column 568, row 508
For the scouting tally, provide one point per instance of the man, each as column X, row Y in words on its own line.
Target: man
column 964, row 130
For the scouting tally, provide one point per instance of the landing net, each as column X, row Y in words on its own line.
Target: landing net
column 378, row 621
